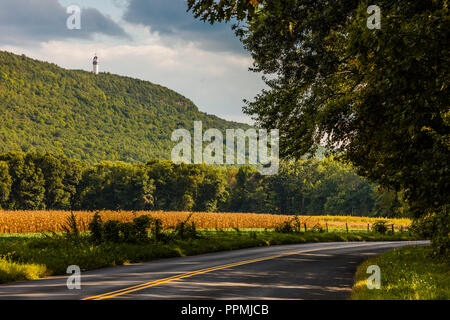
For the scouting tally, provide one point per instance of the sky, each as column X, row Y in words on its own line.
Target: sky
column 154, row 40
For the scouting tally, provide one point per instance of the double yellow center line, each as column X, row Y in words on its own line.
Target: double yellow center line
column 154, row 283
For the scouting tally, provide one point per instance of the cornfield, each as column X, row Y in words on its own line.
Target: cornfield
column 46, row 221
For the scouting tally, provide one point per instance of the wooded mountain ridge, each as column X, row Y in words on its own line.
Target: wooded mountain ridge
column 75, row 113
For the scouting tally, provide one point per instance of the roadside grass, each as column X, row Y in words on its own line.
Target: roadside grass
column 407, row 273
column 13, row 271
column 30, row 256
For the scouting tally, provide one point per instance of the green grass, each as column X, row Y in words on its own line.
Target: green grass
column 13, row 271
column 406, row 274
column 56, row 254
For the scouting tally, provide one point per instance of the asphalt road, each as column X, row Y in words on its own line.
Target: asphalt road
column 301, row 271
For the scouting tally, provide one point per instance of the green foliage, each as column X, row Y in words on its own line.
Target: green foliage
column 284, row 227
column 185, row 230
column 71, row 229
column 317, row 228
column 61, row 176
column 380, row 226
column 390, row 203
column 249, row 193
column 308, row 187
column 293, row 225
column 116, row 186
column 157, row 230
column 187, row 187
column 95, row 227
column 39, row 181
column 140, row 226
column 111, row 231
column 28, row 185
column 11, row 271
column 90, row 117
column 435, row 224
column 378, row 98
column 5, row 183
column 406, row 274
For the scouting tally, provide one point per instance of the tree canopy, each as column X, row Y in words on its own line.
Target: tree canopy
column 34, row 181
column 377, row 97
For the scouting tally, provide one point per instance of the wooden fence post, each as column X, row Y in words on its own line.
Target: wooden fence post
column 346, row 226
column 392, row 228
column 368, row 228
column 326, row 223
column 305, row 226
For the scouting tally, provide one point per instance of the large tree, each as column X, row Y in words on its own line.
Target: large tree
column 379, row 98
column 5, row 183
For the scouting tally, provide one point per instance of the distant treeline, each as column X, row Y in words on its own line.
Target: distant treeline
column 46, row 181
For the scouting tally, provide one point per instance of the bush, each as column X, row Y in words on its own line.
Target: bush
column 129, row 232
column 380, row 227
column 140, row 226
column 70, row 228
column 95, row 226
column 435, row 225
column 156, row 230
column 291, row 226
column 284, row 227
column 184, row 231
column 111, row 231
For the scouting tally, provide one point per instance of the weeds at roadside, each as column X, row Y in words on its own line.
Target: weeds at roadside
column 408, row 273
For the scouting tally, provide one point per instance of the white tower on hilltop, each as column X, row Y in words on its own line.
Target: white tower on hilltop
column 95, row 65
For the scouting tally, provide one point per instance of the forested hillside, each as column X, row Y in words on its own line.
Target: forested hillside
column 46, row 108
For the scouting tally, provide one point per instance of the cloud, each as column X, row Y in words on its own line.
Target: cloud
column 120, row 3
column 31, row 21
column 170, row 19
